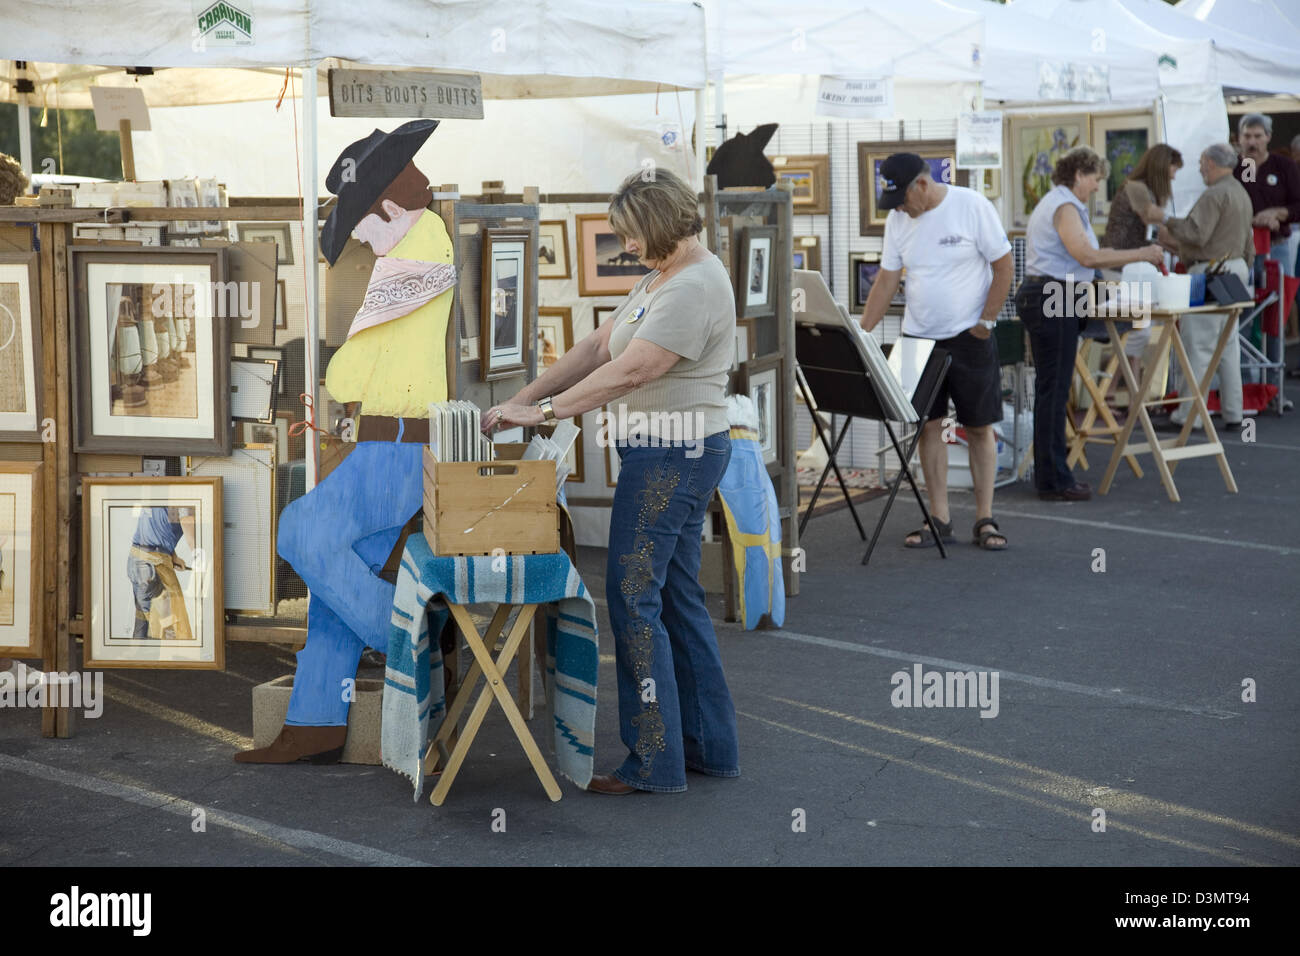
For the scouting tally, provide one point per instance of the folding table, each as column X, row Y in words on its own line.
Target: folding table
column 1088, row 431
column 1169, row 452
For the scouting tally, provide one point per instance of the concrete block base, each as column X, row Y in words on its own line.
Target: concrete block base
column 271, row 704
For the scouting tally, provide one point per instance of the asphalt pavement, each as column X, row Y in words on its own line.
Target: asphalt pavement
column 1120, row 701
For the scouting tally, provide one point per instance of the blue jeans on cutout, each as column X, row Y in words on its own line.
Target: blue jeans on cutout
column 674, row 708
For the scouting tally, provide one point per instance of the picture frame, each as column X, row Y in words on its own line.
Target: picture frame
column 810, row 179
column 248, row 479
column 142, row 609
column 808, row 253
column 756, row 286
column 151, row 366
column 600, row 312
column 281, row 305
column 506, row 302
column 941, row 154
column 762, row 383
column 274, row 433
column 1037, row 142
column 1120, row 139
column 745, row 341
column 553, row 260
column 604, row 266
column 184, row 194
column 22, row 552
column 864, row 267
column 21, row 370
column 273, row 353
column 277, row 231
column 253, row 389
column 554, row 335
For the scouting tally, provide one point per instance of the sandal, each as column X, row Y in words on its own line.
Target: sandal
column 981, row 538
column 927, row 538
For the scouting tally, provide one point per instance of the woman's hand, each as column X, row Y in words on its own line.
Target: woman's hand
column 1152, row 254
column 508, row 415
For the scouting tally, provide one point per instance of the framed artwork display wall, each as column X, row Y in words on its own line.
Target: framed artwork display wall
column 940, row 154
column 1037, row 142
column 153, row 573
column 22, row 586
column 756, row 290
column 151, row 356
column 1120, row 139
column 604, row 266
column 810, row 181
column 20, row 347
column 506, row 306
column 553, row 249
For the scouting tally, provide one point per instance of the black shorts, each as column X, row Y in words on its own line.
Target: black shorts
column 974, row 381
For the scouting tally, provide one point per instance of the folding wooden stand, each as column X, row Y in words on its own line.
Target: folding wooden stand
column 1168, row 453
column 494, row 671
column 1088, row 431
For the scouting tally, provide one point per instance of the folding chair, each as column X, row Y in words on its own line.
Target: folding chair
column 834, row 377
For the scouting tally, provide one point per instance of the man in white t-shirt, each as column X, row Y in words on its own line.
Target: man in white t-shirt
column 959, row 271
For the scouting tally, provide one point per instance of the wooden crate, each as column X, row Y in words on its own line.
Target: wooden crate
column 478, row 507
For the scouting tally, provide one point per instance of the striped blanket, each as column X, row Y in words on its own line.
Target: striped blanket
column 414, row 704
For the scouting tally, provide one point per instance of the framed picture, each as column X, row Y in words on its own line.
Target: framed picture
column 992, row 183
column 20, row 347
column 553, row 249
column 941, row 154
column 277, row 231
column 604, row 266
column 22, row 586
column 183, row 194
column 763, row 386
column 756, row 293
column 554, row 335
column 274, row 354
column 1037, row 142
column 808, row 253
column 287, row 447
column 248, row 517
column 151, row 348
column 745, row 342
column 600, row 313
column 810, row 181
column 574, row 457
column 1121, row 139
column 281, row 305
column 507, row 302
column 864, row 267
column 152, row 551
column 252, row 389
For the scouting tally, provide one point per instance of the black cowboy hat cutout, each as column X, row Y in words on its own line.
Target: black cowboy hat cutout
column 371, row 165
column 740, row 160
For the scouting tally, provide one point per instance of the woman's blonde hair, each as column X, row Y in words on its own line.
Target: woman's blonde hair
column 658, row 208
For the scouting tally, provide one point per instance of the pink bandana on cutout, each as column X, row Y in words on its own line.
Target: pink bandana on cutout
column 398, row 287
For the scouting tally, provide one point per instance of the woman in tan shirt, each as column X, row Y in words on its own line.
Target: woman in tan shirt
column 659, row 366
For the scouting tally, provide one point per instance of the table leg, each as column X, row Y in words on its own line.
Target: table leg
column 437, row 752
column 1199, row 407
column 1140, row 416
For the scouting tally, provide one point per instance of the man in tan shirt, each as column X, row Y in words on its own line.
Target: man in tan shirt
column 1218, row 227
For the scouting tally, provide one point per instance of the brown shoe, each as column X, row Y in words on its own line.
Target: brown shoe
column 318, row 745
column 608, row 783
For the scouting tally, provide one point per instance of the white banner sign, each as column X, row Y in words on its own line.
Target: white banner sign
column 863, row 98
column 979, row 140
column 1075, row 82
column 116, row 103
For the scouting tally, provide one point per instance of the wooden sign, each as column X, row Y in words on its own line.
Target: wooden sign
column 405, row 93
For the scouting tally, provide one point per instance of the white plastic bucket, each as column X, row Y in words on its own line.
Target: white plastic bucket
column 1173, row 292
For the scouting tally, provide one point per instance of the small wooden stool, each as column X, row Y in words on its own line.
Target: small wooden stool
column 481, row 647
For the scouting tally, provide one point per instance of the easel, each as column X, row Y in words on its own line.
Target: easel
column 832, row 368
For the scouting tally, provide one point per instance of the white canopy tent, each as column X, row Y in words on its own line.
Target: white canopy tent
column 220, row 54
column 1024, row 50
column 1276, row 24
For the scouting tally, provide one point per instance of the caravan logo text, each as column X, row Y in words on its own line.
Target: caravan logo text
column 225, row 23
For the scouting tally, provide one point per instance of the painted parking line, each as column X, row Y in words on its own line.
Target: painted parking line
column 1133, row 529
column 1110, row 694
column 1080, row 813
column 179, row 806
column 1060, row 785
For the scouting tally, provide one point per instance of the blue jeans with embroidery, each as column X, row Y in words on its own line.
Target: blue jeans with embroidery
column 674, row 708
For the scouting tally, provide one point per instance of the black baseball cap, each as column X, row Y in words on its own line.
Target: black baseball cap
column 897, row 172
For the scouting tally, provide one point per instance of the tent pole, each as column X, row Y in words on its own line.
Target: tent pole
column 24, row 122
column 698, row 160
column 310, row 245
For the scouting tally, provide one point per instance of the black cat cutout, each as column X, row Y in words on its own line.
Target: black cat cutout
column 740, row 160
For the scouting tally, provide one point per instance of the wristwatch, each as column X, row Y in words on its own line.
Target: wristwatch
column 548, row 413
column 987, row 324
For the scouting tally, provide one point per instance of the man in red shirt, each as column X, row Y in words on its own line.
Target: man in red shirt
column 1273, row 182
